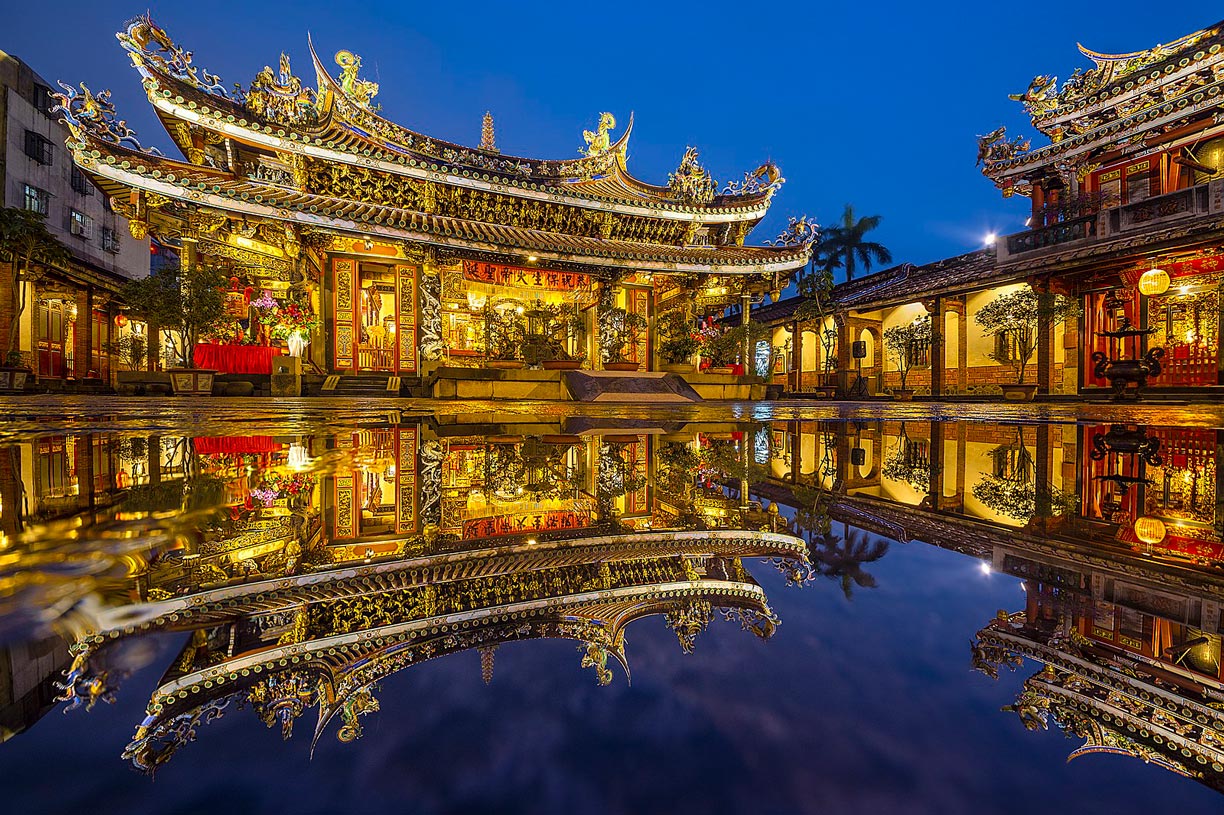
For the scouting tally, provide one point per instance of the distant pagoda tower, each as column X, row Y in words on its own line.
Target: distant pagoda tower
column 488, row 141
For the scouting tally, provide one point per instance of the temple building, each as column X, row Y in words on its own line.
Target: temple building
column 329, row 562
column 374, row 251
column 1125, row 226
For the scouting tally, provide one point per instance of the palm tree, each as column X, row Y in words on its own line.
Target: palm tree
column 24, row 243
column 844, row 246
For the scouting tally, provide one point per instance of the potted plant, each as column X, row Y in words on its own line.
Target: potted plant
column 678, row 341
column 14, row 373
column 130, row 352
column 904, row 343
column 503, row 335
column 1016, row 319
column 190, row 304
column 26, row 247
column 619, row 331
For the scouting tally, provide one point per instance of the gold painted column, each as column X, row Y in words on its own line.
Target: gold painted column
column 746, row 347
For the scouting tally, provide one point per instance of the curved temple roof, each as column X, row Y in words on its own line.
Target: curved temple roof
column 325, row 159
column 340, row 114
column 1122, row 96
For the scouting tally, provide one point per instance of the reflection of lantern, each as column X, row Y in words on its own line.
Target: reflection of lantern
column 1150, row 530
column 121, row 320
column 1154, row 282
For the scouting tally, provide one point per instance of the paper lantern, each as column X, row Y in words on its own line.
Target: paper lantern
column 121, row 320
column 1154, row 282
column 1150, row 530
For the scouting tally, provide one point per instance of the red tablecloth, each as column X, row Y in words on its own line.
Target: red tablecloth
column 235, row 359
column 228, row 445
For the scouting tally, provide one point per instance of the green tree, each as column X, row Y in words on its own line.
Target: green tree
column 845, row 246
column 188, row 304
column 1019, row 317
column 25, row 245
column 903, row 342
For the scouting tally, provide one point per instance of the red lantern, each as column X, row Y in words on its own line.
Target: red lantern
column 121, row 320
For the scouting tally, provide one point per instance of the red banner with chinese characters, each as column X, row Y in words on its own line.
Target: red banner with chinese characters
column 481, row 272
column 548, row 521
column 1185, row 267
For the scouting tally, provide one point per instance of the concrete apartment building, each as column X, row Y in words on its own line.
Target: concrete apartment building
column 70, row 320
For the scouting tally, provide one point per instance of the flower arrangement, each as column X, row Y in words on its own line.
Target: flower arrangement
column 265, row 302
column 275, row 487
column 290, row 318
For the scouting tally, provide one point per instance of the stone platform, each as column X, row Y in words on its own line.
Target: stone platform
column 654, row 387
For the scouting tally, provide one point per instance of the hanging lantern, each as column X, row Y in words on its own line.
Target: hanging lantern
column 1150, row 530
column 121, row 320
column 1154, row 282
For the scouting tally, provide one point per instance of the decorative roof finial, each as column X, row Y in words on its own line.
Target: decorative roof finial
column 488, row 141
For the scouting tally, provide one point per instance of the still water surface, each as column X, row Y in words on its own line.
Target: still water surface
column 529, row 613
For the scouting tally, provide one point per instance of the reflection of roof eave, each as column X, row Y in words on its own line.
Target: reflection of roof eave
column 547, row 553
column 645, row 599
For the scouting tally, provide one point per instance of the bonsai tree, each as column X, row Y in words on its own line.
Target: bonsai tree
column 1019, row 317
column 903, row 342
column 619, row 331
column 189, row 303
column 677, row 339
column 130, row 350
column 25, row 245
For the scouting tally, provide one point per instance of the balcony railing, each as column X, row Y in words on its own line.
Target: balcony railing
column 1065, row 232
column 1203, row 200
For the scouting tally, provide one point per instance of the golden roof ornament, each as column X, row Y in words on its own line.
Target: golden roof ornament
column 488, row 141
column 994, row 146
column 359, row 90
column 600, row 141
column 281, row 97
column 764, row 180
column 87, row 113
column 691, row 182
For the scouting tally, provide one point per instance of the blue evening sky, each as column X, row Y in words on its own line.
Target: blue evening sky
column 876, row 104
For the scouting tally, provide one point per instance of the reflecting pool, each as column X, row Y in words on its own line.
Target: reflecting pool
column 518, row 612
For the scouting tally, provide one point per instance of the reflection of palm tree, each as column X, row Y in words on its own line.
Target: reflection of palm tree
column 841, row 557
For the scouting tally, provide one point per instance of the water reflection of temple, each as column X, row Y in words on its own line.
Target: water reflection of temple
column 306, row 569
column 1115, row 532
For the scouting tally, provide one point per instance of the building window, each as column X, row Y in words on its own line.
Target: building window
column 37, row 200
column 1006, row 348
column 110, row 240
column 38, row 147
column 80, row 225
column 80, row 184
column 43, row 99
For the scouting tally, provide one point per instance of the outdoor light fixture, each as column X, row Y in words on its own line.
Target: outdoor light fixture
column 532, row 258
column 1154, row 281
column 990, row 238
column 1150, row 530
